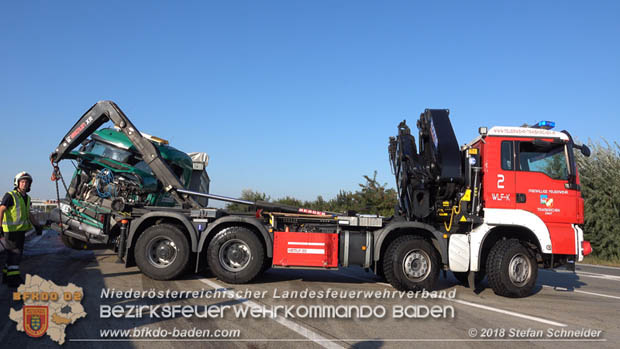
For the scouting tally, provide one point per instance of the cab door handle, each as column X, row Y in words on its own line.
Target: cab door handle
column 520, row 198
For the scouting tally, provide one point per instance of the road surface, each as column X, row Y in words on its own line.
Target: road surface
column 565, row 307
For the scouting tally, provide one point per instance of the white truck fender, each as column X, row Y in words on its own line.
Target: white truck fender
column 494, row 217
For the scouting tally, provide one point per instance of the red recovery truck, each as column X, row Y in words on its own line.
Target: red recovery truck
column 502, row 205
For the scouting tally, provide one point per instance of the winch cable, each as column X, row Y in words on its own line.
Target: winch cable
column 54, row 178
column 56, row 175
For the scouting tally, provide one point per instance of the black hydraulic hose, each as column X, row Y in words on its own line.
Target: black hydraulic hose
column 260, row 204
column 216, row 197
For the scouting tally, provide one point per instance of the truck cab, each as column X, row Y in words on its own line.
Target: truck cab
column 111, row 175
column 531, row 172
column 513, row 204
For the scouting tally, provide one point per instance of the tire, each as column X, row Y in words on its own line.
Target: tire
column 379, row 271
column 512, row 269
column 72, row 242
column 236, row 255
column 162, row 252
column 462, row 277
column 266, row 264
column 411, row 263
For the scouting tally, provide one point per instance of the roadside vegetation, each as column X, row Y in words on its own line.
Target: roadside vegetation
column 371, row 198
column 600, row 261
column 600, row 187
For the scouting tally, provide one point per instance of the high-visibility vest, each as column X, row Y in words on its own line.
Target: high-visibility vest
column 16, row 217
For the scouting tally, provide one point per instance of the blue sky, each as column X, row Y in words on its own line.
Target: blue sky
column 299, row 97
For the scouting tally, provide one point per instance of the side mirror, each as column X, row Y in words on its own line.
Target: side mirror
column 585, row 150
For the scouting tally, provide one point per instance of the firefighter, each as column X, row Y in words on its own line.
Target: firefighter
column 16, row 220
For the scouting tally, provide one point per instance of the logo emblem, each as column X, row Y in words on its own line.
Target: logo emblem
column 35, row 320
column 546, row 201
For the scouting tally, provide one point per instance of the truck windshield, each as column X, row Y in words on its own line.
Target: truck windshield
column 550, row 160
column 108, row 151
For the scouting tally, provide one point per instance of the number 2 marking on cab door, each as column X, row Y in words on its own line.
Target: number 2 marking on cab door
column 500, row 181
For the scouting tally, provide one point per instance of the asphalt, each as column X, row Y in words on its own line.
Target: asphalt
column 588, row 299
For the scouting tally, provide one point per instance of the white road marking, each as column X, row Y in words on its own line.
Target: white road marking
column 585, row 292
column 587, row 274
column 486, row 307
column 598, row 266
column 596, row 294
column 598, row 276
column 507, row 312
column 311, row 335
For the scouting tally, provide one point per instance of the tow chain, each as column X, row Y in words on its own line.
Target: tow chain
column 56, row 175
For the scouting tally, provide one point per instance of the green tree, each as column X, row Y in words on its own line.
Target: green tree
column 289, row 200
column 371, row 198
column 344, row 200
column 375, row 198
column 600, row 185
column 250, row 195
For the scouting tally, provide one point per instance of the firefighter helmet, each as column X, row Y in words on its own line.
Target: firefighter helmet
column 23, row 175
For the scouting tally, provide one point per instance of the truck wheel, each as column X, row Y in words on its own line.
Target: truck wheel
column 462, row 277
column 266, row 264
column 512, row 269
column 236, row 255
column 162, row 252
column 379, row 271
column 411, row 263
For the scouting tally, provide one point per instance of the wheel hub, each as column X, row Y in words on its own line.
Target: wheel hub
column 519, row 270
column 162, row 252
column 234, row 255
column 416, row 265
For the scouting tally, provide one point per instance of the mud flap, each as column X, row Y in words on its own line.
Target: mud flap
column 458, row 252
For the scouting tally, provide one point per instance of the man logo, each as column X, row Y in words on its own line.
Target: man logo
column 35, row 320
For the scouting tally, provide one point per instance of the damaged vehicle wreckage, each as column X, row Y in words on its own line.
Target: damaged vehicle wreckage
column 502, row 205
